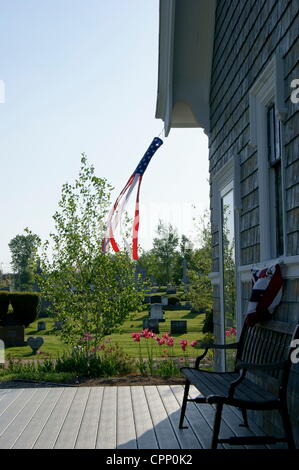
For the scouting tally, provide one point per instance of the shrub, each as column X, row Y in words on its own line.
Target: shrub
column 208, row 326
column 25, row 307
column 109, row 361
column 173, row 301
column 4, row 303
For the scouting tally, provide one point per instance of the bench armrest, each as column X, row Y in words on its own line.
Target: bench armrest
column 207, row 346
column 243, row 367
column 219, row 346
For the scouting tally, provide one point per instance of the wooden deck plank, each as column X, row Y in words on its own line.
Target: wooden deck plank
column 27, row 438
column 107, row 427
column 87, row 436
column 14, row 403
column 165, row 434
column 70, row 428
column 126, row 433
column 146, row 438
column 50, row 432
column 8, row 399
column 195, row 419
column 20, row 421
column 186, row 437
column 111, row 417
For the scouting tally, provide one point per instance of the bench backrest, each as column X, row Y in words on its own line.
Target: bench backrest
column 266, row 342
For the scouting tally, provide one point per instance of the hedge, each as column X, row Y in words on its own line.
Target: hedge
column 25, row 307
column 4, row 304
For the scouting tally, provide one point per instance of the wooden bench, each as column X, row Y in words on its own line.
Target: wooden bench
column 262, row 349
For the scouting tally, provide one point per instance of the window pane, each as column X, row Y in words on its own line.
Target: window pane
column 229, row 274
column 274, row 136
column 278, row 210
column 275, row 189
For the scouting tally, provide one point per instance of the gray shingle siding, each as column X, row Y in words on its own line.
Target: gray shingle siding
column 247, row 34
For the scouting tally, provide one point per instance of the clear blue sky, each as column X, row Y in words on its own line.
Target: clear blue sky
column 81, row 76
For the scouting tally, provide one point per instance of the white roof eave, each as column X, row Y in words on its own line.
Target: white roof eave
column 186, row 35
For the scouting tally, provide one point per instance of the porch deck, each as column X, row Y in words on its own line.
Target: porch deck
column 139, row 417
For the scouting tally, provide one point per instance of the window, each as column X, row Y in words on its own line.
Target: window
column 275, row 180
column 228, row 277
column 225, row 204
column 267, row 112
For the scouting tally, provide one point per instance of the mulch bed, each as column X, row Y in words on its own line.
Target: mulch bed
column 127, row 380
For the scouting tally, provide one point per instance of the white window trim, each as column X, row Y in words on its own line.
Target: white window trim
column 267, row 88
column 228, row 177
column 289, row 267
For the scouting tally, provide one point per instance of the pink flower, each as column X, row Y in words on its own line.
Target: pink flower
column 136, row 337
column 193, row 343
column 146, row 333
column 231, row 332
column 170, row 342
column 87, row 337
column 161, row 342
column 183, row 344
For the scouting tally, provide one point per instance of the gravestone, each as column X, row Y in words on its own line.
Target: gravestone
column 156, row 312
column 41, row 325
column 178, row 326
column 152, row 325
column 171, row 290
column 154, row 290
column 58, row 325
column 35, row 343
column 156, row 299
column 12, row 335
column 164, row 300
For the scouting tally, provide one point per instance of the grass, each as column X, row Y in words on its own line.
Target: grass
column 54, row 347
column 194, row 328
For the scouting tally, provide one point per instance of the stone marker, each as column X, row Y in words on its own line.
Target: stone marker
column 156, row 299
column 12, row 335
column 35, row 343
column 152, row 325
column 41, row 325
column 156, row 312
column 164, row 300
column 58, row 325
column 154, row 290
column 178, row 326
column 171, row 290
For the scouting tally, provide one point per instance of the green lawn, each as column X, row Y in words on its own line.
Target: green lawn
column 54, row 347
column 194, row 328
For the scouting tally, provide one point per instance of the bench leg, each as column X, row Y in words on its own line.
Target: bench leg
column 287, row 426
column 217, row 423
column 245, row 420
column 184, row 404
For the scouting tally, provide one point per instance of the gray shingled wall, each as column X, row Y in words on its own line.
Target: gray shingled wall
column 247, row 34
